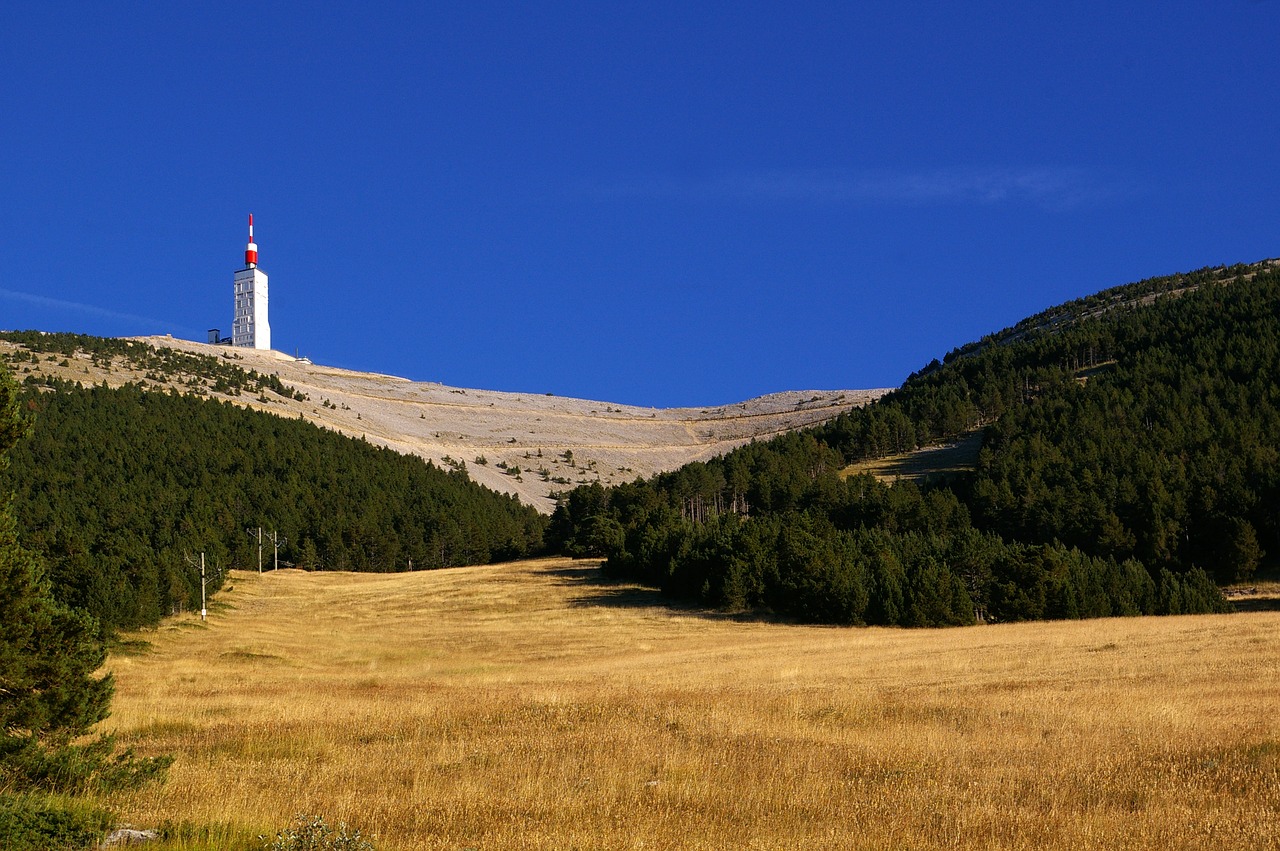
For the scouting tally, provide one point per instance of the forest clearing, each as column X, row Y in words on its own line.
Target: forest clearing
column 537, row 704
column 920, row 465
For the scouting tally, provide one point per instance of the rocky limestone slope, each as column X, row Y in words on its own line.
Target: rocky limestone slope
column 528, row 444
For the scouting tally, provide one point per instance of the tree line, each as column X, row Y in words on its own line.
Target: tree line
column 115, row 487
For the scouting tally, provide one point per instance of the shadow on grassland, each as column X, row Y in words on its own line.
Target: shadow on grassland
column 932, row 463
column 1260, row 595
column 596, row 588
column 1255, row 604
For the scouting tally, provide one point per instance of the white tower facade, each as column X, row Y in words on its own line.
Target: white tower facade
column 250, row 327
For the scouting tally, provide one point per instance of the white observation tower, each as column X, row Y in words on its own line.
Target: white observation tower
column 250, row 327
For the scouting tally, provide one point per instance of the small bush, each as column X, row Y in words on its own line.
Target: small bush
column 310, row 833
column 96, row 765
column 42, row 823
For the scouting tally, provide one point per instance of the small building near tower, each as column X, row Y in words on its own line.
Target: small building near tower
column 250, row 327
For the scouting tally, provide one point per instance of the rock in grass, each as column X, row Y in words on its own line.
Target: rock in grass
column 129, row 836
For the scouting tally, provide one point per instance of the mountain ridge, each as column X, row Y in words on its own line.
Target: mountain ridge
column 526, row 444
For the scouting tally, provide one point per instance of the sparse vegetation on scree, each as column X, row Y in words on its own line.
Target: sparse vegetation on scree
column 196, row 374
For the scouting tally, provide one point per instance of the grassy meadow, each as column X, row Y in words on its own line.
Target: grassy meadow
column 536, row 705
column 922, row 464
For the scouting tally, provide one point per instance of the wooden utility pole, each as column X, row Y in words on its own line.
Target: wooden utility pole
column 258, row 535
column 204, row 611
column 277, row 541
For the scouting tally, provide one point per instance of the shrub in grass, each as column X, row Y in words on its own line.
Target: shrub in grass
column 311, row 833
column 46, row 823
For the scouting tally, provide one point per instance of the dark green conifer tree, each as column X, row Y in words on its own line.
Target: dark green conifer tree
column 50, row 694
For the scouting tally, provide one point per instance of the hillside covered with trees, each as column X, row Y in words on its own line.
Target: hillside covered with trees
column 116, row 487
column 1130, row 454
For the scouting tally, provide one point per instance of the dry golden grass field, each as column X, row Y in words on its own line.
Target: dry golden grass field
column 535, row 705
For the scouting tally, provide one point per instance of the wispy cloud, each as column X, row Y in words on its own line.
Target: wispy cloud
column 1049, row 187
column 89, row 309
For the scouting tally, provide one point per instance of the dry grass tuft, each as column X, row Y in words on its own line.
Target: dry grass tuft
column 533, row 705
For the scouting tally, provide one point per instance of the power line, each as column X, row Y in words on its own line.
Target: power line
column 277, row 541
column 257, row 534
column 191, row 560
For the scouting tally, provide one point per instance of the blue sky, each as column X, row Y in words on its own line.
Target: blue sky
column 659, row 203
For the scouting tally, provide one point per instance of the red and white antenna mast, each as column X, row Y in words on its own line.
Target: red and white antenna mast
column 251, row 250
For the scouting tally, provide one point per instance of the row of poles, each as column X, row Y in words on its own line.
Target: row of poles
column 277, row 541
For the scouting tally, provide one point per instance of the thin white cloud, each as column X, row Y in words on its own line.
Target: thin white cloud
column 90, row 309
column 1054, row 188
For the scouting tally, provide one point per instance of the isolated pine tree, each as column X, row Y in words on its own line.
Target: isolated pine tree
column 49, row 694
